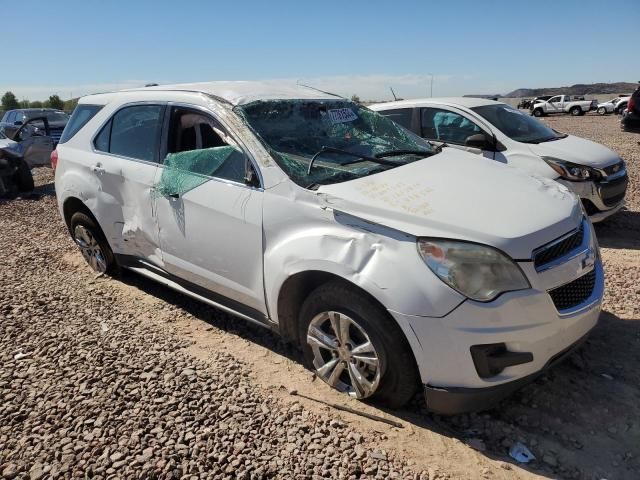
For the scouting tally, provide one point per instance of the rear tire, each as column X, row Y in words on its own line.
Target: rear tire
column 393, row 380
column 92, row 243
column 575, row 111
column 24, row 179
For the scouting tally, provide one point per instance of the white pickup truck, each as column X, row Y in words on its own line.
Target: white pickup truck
column 564, row 104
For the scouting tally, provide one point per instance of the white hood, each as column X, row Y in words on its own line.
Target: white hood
column 577, row 150
column 459, row 195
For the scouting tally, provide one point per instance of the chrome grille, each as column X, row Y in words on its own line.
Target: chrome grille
column 613, row 192
column 574, row 293
column 558, row 248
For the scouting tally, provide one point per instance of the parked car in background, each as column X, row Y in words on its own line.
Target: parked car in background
column 392, row 263
column 572, row 104
column 31, row 141
column 621, row 105
column 524, row 103
column 608, row 106
column 15, row 175
column 539, row 99
column 14, row 119
column 499, row 132
column 631, row 116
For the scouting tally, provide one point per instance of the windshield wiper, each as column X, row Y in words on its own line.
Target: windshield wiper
column 393, row 153
column 360, row 157
column 550, row 139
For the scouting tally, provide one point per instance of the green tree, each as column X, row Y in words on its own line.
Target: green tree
column 36, row 104
column 70, row 105
column 23, row 103
column 355, row 98
column 55, row 102
column 9, row 101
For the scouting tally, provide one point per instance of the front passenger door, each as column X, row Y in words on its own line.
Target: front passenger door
column 209, row 210
column 442, row 125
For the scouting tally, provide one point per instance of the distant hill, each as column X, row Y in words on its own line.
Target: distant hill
column 577, row 89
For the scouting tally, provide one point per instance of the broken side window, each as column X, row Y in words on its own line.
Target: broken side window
column 198, row 149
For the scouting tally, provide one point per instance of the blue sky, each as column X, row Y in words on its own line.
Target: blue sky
column 74, row 47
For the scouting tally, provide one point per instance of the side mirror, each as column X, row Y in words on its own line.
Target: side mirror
column 17, row 123
column 479, row 140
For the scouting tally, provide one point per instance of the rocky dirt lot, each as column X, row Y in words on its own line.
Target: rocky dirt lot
column 123, row 378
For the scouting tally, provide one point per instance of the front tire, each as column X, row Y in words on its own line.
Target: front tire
column 538, row 113
column 92, row 244
column 350, row 342
column 602, row 111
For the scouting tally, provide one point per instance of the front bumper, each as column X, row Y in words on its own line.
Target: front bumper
column 600, row 199
column 528, row 323
column 456, row 400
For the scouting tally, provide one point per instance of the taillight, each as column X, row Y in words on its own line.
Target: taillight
column 54, row 160
column 631, row 105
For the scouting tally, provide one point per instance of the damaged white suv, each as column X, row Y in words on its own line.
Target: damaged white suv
column 391, row 262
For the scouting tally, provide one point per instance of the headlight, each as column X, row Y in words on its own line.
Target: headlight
column 476, row 271
column 571, row 171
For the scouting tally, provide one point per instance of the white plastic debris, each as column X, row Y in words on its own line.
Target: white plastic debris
column 20, row 355
column 520, row 453
column 607, row 376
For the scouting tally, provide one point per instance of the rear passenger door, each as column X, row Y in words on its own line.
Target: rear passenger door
column 443, row 125
column 209, row 210
column 123, row 163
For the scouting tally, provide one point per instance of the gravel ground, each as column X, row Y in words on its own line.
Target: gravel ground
column 88, row 390
column 126, row 379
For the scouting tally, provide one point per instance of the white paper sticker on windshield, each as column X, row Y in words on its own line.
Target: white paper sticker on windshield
column 342, row 115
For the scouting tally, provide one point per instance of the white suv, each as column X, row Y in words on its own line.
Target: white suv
column 392, row 263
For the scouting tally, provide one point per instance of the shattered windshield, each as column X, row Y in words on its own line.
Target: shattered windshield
column 329, row 141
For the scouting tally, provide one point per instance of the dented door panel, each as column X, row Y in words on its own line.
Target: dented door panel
column 212, row 236
column 124, row 207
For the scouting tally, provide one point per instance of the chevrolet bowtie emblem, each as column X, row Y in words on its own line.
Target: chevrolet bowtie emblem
column 589, row 259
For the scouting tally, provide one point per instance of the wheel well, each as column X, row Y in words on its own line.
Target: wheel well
column 73, row 205
column 297, row 288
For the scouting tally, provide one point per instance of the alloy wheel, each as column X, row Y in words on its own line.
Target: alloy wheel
column 343, row 354
column 90, row 248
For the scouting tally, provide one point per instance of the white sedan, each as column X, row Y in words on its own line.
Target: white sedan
column 500, row 132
